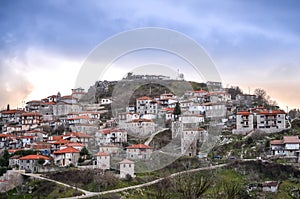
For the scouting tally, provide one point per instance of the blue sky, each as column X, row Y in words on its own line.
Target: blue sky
column 253, row 43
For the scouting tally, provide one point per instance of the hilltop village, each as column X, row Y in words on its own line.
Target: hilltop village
column 61, row 131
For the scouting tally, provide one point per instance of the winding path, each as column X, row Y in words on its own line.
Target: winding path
column 91, row 194
column 38, row 176
column 153, row 135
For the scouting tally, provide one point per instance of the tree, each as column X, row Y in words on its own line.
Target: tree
column 261, row 96
column 191, row 186
column 234, row 91
column 41, row 161
column 231, row 189
column 177, row 111
column 84, row 153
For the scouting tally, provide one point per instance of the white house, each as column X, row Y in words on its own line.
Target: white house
column 244, row 122
column 145, row 105
column 270, row 186
column 271, row 121
column 105, row 101
column 126, row 168
column 288, row 146
column 111, row 135
column 126, row 117
column 31, row 120
column 66, row 157
column 102, row 160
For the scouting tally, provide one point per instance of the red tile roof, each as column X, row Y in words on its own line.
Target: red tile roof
column 200, row 91
column 101, row 154
column 126, row 162
column 243, row 113
column 73, row 144
column 59, row 142
column 144, row 98
column 31, row 114
column 67, row 150
column 109, row 130
column 272, row 112
column 13, row 111
column 78, row 134
column 5, row 135
column 140, row 120
column 139, row 146
column 291, row 139
column 276, row 142
column 13, row 150
column 57, row 137
column 80, row 117
column 34, row 157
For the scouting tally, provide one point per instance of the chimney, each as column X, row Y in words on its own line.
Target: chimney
column 7, row 108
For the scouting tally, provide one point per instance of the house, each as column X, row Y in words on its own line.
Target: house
column 31, row 162
column 270, row 186
column 192, row 118
column 112, row 149
column 31, row 120
column 189, row 140
column 105, row 101
column 167, row 100
column 215, row 110
column 14, row 161
column 78, row 93
column 43, row 147
column 75, row 145
column 66, row 157
column 33, row 106
column 141, row 127
column 138, row 151
column 11, row 116
column 78, row 137
column 126, row 117
column 245, row 99
column 64, row 108
column 196, row 109
column 102, row 160
column 46, row 109
column 288, row 146
column 145, row 105
column 244, row 122
column 111, row 135
column 27, row 140
column 220, row 96
column 126, row 168
column 270, row 120
column 4, row 140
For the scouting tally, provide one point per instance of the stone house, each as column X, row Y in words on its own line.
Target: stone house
column 30, row 162
column 126, row 168
column 102, row 160
column 66, row 157
column 138, row 151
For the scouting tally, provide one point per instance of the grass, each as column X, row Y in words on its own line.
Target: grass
column 41, row 189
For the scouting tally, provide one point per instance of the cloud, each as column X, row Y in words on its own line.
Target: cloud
column 14, row 85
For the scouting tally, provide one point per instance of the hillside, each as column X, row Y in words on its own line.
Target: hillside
column 138, row 88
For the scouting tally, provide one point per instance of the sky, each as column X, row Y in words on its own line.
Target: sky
column 253, row 44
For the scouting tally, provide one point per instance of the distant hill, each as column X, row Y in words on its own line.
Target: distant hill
column 138, row 88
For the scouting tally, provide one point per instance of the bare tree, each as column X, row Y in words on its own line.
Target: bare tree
column 191, row 186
